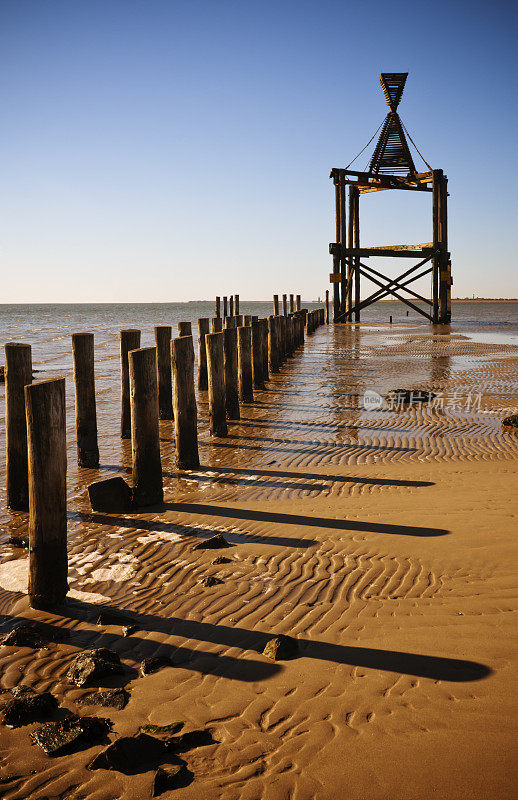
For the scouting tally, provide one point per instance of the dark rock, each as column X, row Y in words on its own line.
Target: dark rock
column 26, row 705
column 34, row 634
column 162, row 730
column 108, row 698
column 19, row 541
column 131, row 754
column 408, row 396
column 153, row 664
column 111, row 494
column 281, row 648
column 189, row 740
column 172, row 777
column 90, row 665
column 70, row 733
column 214, row 543
column 222, row 560
column 511, row 422
column 111, row 616
column 210, row 580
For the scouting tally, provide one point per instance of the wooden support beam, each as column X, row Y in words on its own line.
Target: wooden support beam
column 379, row 252
column 395, row 294
column 382, row 293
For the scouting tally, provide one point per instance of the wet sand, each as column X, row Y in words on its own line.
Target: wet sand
column 384, row 541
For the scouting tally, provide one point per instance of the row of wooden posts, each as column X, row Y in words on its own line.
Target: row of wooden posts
column 158, row 382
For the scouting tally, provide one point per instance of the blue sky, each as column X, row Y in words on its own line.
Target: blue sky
column 168, row 151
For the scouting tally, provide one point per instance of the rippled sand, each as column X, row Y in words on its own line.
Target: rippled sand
column 383, row 540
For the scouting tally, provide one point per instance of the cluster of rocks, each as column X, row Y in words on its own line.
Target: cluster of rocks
column 511, row 422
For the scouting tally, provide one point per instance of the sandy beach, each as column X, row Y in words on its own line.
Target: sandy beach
column 382, row 540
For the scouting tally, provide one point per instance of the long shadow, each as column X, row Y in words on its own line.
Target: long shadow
column 423, row 666
column 309, row 448
column 313, row 476
column 296, row 519
column 195, row 532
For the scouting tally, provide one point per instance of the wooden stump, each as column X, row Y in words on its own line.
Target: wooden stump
column 184, row 399
column 203, row 329
column 216, row 372
column 276, row 305
column 86, row 415
column 264, row 348
column 289, row 336
column 130, row 340
column 298, row 302
column 225, row 307
column 282, row 328
column 292, row 304
column 230, row 322
column 244, row 363
column 240, row 321
column 18, row 373
column 184, row 329
column 273, row 357
column 231, row 380
column 216, row 324
column 145, row 439
column 236, row 305
column 285, row 305
column 248, row 320
column 217, row 310
column 47, row 462
column 231, row 305
column 257, row 355
column 163, row 335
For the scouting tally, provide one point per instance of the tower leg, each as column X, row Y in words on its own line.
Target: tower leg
column 356, row 258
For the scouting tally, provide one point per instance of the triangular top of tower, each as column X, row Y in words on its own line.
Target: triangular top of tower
column 393, row 84
column 392, row 155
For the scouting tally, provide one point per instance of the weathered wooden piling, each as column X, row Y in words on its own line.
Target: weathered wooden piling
column 231, row 379
column 203, row 330
column 130, row 340
column 216, row 372
column 225, row 307
column 285, row 305
column 18, row 373
column 216, row 324
column 276, row 305
column 244, row 363
column 248, row 320
column 264, row 348
column 236, row 305
column 282, row 328
column 86, row 415
column 217, row 309
column 299, row 301
column 230, row 322
column 163, row 335
column 184, row 399
column 184, row 329
column 327, row 306
column 290, row 344
column 47, row 470
column 240, row 320
column 145, row 439
column 273, row 356
column 292, row 304
column 231, row 305
column 257, row 355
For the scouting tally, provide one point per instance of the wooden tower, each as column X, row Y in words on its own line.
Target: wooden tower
column 391, row 167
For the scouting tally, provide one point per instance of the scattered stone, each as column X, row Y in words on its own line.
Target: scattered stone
column 35, row 635
column 407, row 396
column 153, row 664
column 511, row 422
column 108, row 698
column 54, row 738
column 222, row 560
column 90, row 665
column 162, row 730
column 210, row 580
column 281, row 648
column 19, row 541
column 170, row 778
column 111, row 494
column 213, row 543
column 131, row 754
column 26, row 705
column 128, row 630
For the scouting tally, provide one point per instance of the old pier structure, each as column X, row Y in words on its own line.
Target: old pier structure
column 391, row 167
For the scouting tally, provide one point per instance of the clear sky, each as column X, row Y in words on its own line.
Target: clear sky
column 166, row 151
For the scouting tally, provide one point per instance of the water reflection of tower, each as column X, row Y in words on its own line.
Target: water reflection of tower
column 346, row 381
column 440, row 359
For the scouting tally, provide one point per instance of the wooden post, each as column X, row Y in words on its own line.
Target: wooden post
column 240, row 320
column 273, row 356
column 336, row 257
column 163, row 335
column 445, row 265
column 130, row 340
column 184, row 397
column 231, row 381
column 217, row 310
column 343, row 233
column 203, row 329
column 436, row 261
column 289, row 336
column 327, row 306
column 244, row 363
column 276, row 305
column 350, row 266
column 184, row 329
column 217, row 324
column 86, row 416
column 284, row 305
column 298, row 302
column 225, row 307
column 231, row 305
column 216, row 373
column 357, row 258
column 145, row 439
column 248, row 319
column 18, row 373
column 236, row 305
column 264, row 348
column 292, row 304
column 257, row 355
column 284, row 349
column 47, row 467
column 230, row 322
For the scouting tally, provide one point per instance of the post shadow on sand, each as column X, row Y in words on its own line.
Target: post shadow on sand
column 423, row 666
